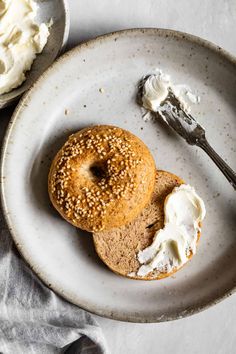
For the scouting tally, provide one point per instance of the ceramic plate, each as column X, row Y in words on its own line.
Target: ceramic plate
column 58, row 12
column 96, row 83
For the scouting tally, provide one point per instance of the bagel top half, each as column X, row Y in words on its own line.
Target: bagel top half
column 101, row 178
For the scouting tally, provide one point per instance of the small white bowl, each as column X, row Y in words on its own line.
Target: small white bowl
column 58, row 11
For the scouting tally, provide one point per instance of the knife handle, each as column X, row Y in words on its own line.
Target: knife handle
column 220, row 163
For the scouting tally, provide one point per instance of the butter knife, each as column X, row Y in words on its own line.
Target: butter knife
column 190, row 130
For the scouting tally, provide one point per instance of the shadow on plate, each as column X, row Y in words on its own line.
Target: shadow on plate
column 85, row 241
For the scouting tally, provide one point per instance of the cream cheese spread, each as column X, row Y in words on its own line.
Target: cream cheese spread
column 21, row 38
column 184, row 211
column 156, row 89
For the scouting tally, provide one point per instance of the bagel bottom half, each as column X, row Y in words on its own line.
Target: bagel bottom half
column 118, row 248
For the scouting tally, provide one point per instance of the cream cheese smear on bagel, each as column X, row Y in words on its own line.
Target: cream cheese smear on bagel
column 21, row 39
column 184, row 211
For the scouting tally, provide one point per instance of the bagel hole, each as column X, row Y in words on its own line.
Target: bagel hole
column 98, row 170
column 150, row 226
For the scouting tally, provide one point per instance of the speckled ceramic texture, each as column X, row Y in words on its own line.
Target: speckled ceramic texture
column 68, row 97
column 58, row 11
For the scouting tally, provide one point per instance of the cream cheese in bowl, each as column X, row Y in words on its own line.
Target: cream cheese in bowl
column 21, row 39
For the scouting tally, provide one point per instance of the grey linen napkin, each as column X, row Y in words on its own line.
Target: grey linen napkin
column 33, row 319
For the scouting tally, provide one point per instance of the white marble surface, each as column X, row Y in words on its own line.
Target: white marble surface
column 212, row 331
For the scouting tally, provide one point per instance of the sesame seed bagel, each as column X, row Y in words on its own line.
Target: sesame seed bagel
column 118, row 248
column 101, row 178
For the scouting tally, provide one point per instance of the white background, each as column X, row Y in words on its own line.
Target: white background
column 212, row 331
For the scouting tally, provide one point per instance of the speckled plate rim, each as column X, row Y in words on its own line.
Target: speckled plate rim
column 22, row 105
column 14, row 96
